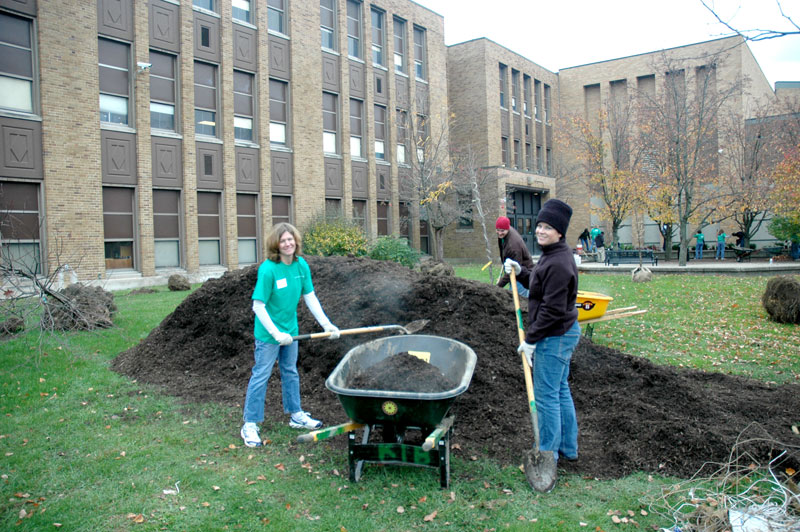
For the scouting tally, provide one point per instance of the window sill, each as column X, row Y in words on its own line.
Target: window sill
column 165, row 133
column 332, row 155
column 330, row 51
column 380, row 67
column 356, row 59
column 421, row 80
column 207, row 138
column 401, row 74
column 206, row 12
column 8, row 113
column 246, row 144
column 383, row 162
column 280, row 147
column 278, row 34
column 115, row 127
column 244, row 23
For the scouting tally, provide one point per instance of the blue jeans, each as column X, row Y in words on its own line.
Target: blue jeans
column 698, row 251
column 558, row 424
column 720, row 251
column 265, row 355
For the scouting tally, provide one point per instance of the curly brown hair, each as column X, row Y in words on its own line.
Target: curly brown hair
column 274, row 238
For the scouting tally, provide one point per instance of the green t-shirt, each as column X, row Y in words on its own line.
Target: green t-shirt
column 700, row 238
column 280, row 286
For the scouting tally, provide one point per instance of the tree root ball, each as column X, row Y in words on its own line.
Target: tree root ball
column 781, row 299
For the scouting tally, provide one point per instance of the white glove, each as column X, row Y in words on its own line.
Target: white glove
column 333, row 329
column 528, row 350
column 283, row 338
column 509, row 264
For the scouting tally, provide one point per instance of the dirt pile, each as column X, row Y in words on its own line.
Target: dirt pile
column 632, row 414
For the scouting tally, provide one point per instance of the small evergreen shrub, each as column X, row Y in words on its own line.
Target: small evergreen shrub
column 334, row 236
column 394, row 249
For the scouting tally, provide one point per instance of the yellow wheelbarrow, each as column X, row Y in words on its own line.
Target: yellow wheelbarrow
column 593, row 308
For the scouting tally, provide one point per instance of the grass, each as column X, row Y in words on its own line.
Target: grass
column 84, row 448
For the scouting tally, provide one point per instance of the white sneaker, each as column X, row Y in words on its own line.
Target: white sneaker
column 301, row 420
column 250, row 435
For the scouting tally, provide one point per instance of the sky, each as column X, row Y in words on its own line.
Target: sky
column 556, row 34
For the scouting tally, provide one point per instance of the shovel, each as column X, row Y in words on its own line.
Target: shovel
column 409, row 328
column 540, row 466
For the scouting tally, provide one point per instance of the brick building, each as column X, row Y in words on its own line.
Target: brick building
column 142, row 138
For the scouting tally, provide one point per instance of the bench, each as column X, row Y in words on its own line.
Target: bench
column 615, row 257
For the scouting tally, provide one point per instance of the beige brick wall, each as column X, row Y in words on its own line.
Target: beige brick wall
column 68, row 71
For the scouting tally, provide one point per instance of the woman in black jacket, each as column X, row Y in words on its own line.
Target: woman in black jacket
column 553, row 331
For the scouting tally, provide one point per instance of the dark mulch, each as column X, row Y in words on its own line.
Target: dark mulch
column 633, row 415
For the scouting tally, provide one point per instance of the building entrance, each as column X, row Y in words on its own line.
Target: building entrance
column 522, row 206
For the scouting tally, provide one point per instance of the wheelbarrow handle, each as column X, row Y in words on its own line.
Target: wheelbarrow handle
column 359, row 330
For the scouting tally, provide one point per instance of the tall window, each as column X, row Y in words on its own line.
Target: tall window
column 400, row 45
column 503, row 74
column 19, row 225
column 517, row 154
column 422, row 137
column 383, row 218
column 514, row 89
column 537, row 98
column 378, row 37
column 243, row 84
column 167, row 228
column 118, row 224
column 504, row 150
column 162, row 91
column 528, row 157
column 356, row 127
column 241, row 10
column 330, row 123
column 16, row 65
column 547, row 104
column 209, row 228
column 276, row 16
column 354, row 29
column 278, row 111
column 539, row 160
column 526, row 91
column 327, row 23
column 205, row 99
column 114, row 58
column 380, row 132
column 419, row 53
column 247, row 226
column 549, row 161
column 402, row 136
column 360, row 213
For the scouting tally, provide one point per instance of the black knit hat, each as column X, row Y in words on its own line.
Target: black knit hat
column 555, row 213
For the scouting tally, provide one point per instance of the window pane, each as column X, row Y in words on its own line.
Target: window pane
column 209, row 252
column 113, row 109
column 205, row 4
column 167, row 254
column 329, row 142
column 355, row 146
column 241, row 10
column 401, row 154
column 17, row 94
column 379, row 150
column 247, row 251
column 243, row 128
column 162, row 116
column 277, row 133
column 205, row 122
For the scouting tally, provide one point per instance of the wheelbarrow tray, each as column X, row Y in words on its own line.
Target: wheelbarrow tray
column 591, row 305
column 403, row 408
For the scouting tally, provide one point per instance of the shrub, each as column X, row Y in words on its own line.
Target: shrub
column 781, row 299
column 334, row 236
column 394, row 249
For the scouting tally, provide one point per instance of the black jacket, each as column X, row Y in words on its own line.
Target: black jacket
column 514, row 248
column 553, row 285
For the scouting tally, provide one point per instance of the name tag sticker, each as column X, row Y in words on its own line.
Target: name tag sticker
column 280, row 283
column 425, row 356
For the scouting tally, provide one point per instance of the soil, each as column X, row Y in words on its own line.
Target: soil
column 632, row 415
column 401, row 372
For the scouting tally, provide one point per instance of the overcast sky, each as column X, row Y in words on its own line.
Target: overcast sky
column 562, row 33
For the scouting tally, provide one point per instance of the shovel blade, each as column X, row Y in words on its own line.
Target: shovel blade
column 540, row 470
column 415, row 326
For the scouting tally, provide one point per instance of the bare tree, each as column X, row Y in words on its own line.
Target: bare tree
column 755, row 34
column 679, row 132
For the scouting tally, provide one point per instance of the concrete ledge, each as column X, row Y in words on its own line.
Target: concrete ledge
column 701, row 267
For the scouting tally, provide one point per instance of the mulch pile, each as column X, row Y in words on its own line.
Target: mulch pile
column 633, row 415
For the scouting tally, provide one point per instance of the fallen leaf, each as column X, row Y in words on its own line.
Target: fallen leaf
column 280, row 467
column 206, row 504
column 215, row 488
column 400, row 510
column 423, row 498
column 615, row 519
column 430, row 516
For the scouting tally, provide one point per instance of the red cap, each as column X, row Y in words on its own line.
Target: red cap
column 503, row 223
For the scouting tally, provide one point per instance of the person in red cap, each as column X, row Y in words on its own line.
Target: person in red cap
column 512, row 247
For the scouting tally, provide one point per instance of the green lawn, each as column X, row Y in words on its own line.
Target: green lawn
column 86, row 449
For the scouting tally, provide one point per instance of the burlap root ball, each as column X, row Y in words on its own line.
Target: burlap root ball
column 781, row 299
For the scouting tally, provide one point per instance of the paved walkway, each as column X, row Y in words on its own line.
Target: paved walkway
column 703, row 267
